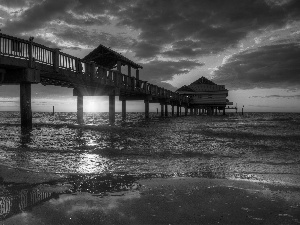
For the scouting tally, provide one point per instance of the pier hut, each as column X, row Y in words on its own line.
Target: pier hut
column 205, row 96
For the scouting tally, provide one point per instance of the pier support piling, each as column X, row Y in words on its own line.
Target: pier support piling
column 146, row 109
column 172, row 109
column 80, row 109
column 177, row 110
column 111, row 109
column 161, row 109
column 25, row 106
column 185, row 111
column 123, row 110
column 166, row 110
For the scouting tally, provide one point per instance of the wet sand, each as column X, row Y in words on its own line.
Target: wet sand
column 173, row 200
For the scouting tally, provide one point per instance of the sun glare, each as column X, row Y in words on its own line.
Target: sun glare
column 91, row 106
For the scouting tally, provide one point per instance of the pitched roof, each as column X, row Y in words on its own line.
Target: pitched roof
column 108, row 58
column 185, row 88
column 203, row 80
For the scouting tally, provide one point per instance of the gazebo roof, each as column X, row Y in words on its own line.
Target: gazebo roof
column 185, row 88
column 108, row 58
column 203, row 80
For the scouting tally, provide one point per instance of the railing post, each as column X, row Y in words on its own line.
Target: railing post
column 104, row 75
column 87, row 69
column 115, row 78
column 137, row 76
column 110, row 78
column 119, row 66
column 30, row 55
column 93, row 70
column 125, row 81
column 0, row 44
column 129, row 70
column 133, row 83
column 78, row 65
column 55, row 58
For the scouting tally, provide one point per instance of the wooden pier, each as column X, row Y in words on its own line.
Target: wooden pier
column 24, row 62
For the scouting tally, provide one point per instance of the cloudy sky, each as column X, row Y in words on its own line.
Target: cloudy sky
column 251, row 46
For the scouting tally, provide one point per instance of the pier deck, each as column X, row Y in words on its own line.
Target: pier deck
column 25, row 62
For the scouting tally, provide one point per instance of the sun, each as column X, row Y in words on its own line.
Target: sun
column 91, row 106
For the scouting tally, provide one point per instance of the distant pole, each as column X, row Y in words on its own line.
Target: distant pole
column 243, row 110
column 53, row 111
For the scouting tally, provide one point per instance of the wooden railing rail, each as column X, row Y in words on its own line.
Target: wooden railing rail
column 36, row 53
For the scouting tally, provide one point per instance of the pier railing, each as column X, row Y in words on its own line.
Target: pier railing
column 36, row 53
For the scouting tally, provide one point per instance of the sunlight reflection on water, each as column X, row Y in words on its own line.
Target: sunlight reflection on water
column 92, row 163
column 232, row 147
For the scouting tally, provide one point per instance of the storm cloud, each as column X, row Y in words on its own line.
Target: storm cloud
column 189, row 28
column 157, row 71
column 169, row 37
column 273, row 66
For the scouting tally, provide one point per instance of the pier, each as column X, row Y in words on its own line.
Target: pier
column 24, row 62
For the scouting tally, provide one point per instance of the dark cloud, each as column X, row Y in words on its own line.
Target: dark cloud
column 186, row 52
column 157, row 71
column 193, row 28
column 38, row 15
column 214, row 24
column 274, row 66
column 176, row 29
column 187, row 48
column 82, row 36
column 83, row 19
column 146, row 50
column 13, row 3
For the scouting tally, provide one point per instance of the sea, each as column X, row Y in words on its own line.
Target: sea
column 101, row 157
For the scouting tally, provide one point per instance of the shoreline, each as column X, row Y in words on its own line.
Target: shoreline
column 177, row 200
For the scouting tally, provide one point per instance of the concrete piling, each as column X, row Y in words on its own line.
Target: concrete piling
column 111, row 109
column 123, row 110
column 166, row 110
column 25, row 106
column 80, row 109
column 146, row 109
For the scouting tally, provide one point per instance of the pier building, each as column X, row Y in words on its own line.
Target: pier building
column 205, row 96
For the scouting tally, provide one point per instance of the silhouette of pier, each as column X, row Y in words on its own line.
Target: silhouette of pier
column 24, row 62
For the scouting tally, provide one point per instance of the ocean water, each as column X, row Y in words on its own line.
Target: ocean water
column 101, row 165
column 256, row 146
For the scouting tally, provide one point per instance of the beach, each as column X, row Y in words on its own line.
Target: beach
column 189, row 170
